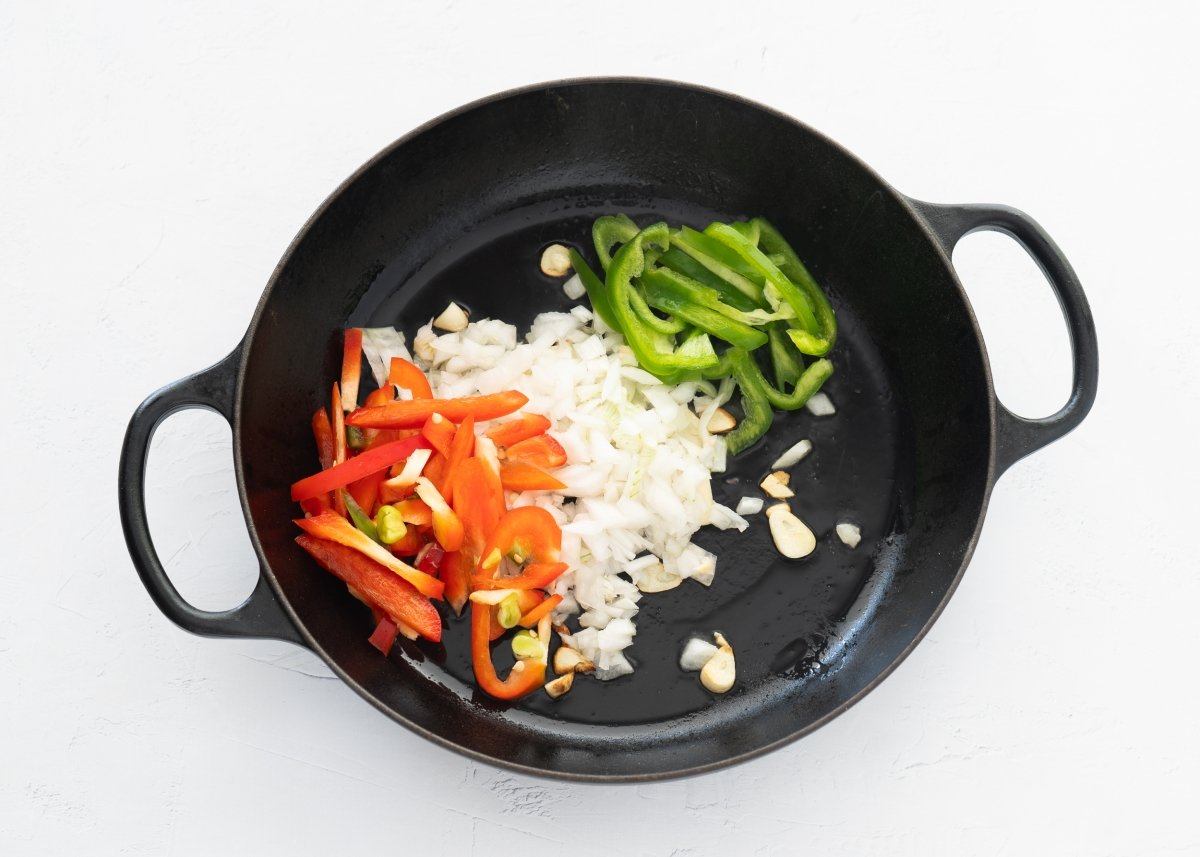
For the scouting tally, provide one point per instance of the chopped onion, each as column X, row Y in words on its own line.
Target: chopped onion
column 749, row 505
column 820, row 405
column 849, row 533
column 696, row 654
column 794, row 454
column 380, row 345
column 573, row 287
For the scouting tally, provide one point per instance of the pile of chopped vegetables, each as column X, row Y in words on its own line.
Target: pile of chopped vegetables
column 561, row 477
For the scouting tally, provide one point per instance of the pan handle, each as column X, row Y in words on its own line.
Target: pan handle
column 1017, row 436
column 260, row 615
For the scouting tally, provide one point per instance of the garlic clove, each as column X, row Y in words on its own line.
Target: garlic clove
column 792, row 536
column 720, row 671
column 556, row 261
column 453, row 319
column 721, row 422
column 775, row 487
column 560, row 685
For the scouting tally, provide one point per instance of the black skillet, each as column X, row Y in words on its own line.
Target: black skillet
column 461, row 209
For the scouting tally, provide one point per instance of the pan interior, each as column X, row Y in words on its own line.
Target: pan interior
column 461, row 211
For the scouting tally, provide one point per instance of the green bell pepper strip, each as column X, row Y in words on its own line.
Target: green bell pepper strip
column 758, row 396
column 773, row 243
column 784, row 356
column 661, row 296
column 655, row 352
column 665, row 326
column 812, row 335
column 748, row 228
column 609, row 230
column 681, row 263
column 713, row 256
column 597, row 292
column 360, row 518
column 685, row 287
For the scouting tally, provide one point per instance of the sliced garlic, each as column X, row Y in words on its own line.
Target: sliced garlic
column 774, row 486
column 849, row 533
column 793, row 455
column 556, row 261
column 656, row 578
column 560, row 685
column 567, row 660
column 721, row 422
column 720, row 672
column 453, row 319
column 792, row 537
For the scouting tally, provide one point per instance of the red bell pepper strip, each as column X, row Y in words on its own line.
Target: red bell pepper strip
column 414, row 510
column 517, row 430
column 460, row 450
column 479, row 503
column 323, row 434
column 439, row 431
column 333, row 527
column 413, row 413
column 533, row 616
column 339, row 445
column 351, row 366
column 411, row 543
column 371, row 461
column 527, row 601
column 518, row 476
column 429, row 559
column 410, row 377
column 526, row 675
column 396, row 598
column 384, row 636
column 447, row 528
column 540, row 451
column 365, row 491
column 536, row 575
column 315, row 505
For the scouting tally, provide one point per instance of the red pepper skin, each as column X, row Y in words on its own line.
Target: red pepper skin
column 515, row 431
column 384, row 635
column 519, row 683
column 371, row 461
column 410, row 377
column 460, row 450
column 539, row 451
column 396, row 598
column 479, row 504
column 439, row 431
column 339, row 445
column 351, row 365
column 323, row 434
column 536, row 575
column 413, row 413
column 519, row 476
column 533, row 616
column 332, row 527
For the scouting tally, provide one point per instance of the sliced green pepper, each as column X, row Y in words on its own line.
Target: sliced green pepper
column 758, row 396
column 661, row 295
column 597, row 292
column 791, row 266
column 681, row 263
column 698, row 293
column 655, row 352
column 784, row 356
column 716, row 258
column 608, row 231
column 360, row 518
column 666, row 326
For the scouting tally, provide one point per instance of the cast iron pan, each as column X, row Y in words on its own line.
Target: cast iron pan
column 461, row 209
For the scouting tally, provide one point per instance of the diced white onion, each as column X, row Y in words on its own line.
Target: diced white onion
column 793, row 455
column 820, row 405
column 749, row 505
column 696, row 654
column 573, row 288
column 849, row 533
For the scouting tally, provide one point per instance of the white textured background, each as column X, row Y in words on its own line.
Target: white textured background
column 156, row 159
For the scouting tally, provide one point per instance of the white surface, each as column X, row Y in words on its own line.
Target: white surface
column 154, row 164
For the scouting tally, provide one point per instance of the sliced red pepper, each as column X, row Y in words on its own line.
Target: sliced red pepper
column 351, row 365
column 447, row 527
column 533, row 616
column 379, row 396
column 323, row 433
column 414, row 510
column 333, row 527
column 540, row 451
column 439, row 431
column 460, row 450
column 527, row 601
column 371, row 461
column 526, row 678
column 384, row 636
column 479, row 503
column 517, row 430
column 413, row 413
column 536, row 575
column 410, row 377
column 411, row 543
column 315, row 505
column 398, row 599
column 518, row 476
column 338, row 416
column 429, row 560
column 365, row 491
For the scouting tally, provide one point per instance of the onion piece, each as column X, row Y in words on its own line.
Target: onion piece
column 820, row 405
column 793, row 455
